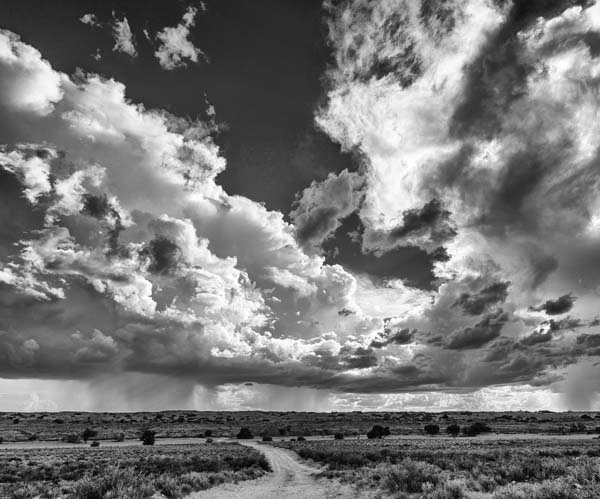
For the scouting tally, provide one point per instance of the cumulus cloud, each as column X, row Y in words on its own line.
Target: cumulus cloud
column 123, row 38
column 477, row 134
column 478, row 335
column 175, row 45
column 90, row 19
column 477, row 303
column 28, row 82
column 556, row 307
column 318, row 211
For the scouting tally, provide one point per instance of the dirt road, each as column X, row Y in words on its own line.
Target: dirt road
column 290, row 479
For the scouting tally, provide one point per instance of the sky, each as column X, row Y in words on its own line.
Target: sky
column 282, row 205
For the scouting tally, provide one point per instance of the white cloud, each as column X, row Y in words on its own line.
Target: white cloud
column 28, row 82
column 175, row 46
column 123, row 38
column 90, row 19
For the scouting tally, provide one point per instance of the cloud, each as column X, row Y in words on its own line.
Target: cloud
column 135, row 262
column 477, row 303
column 319, row 209
column 175, row 46
column 123, row 38
column 29, row 83
column 556, row 307
column 478, row 335
column 90, row 19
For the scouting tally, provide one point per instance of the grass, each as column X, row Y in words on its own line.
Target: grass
column 453, row 469
column 125, row 472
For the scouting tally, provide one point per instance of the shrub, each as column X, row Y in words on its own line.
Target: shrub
column 95, row 443
column 301, row 439
column 431, row 429
column 208, row 433
column 120, row 437
column 338, row 436
column 88, row 433
column 72, row 438
column 245, row 434
column 551, row 489
column 409, row 476
column 267, row 438
column 148, row 437
column 378, row 431
column 209, row 440
column 116, row 484
column 453, row 429
column 446, row 491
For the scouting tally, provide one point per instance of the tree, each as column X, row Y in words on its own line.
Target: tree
column 453, row 429
column 245, row 434
column 378, row 431
column 148, row 437
column 88, row 433
column 431, row 429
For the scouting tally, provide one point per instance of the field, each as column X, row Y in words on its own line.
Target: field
column 124, row 472
column 176, row 424
column 517, row 455
column 463, row 467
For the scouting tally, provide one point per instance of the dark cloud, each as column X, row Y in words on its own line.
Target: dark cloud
column 164, row 255
column 432, row 217
column 556, row 307
column 399, row 337
column 537, row 337
column 318, row 225
column 478, row 335
column 477, row 303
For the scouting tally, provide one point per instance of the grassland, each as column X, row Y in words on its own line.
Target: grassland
column 435, row 468
column 55, row 426
column 82, row 472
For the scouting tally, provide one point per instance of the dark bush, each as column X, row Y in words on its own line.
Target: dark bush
column 72, row 438
column 338, row 436
column 148, row 437
column 208, row 433
column 453, row 429
column 245, row 434
column 378, row 431
column 95, row 443
column 431, row 429
column 267, row 438
column 88, row 433
column 301, row 439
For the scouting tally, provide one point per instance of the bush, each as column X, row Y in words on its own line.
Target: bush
column 209, row 440
column 301, row 439
column 95, row 443
column 120, row 437
column 245, row 434
column 409, row 476
column 550, row 489
column 72, row 438
column 88, row 433
column 431, row 429
column 453, row 429
column 267, row 438
column 446, row 491
column 378, row 431
column 338, row 436
column 208, row 433
column 148, row 437
column 116, row 484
